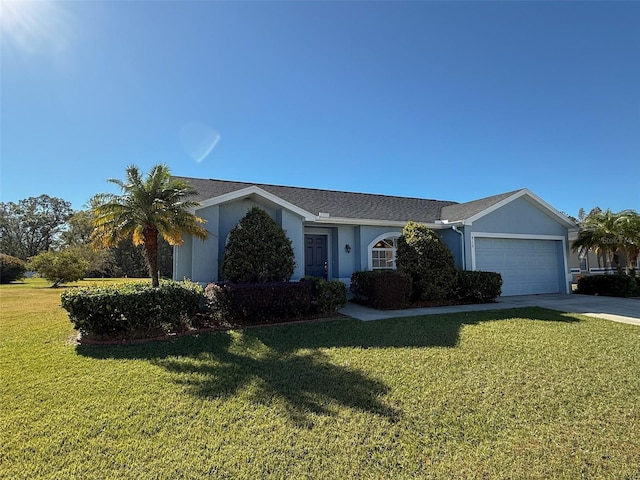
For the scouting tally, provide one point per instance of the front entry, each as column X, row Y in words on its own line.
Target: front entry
column 315, row 256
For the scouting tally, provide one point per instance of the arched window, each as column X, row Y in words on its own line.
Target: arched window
column 383, row 253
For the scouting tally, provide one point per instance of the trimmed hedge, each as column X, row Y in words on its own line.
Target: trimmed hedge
column 479, row 287
column 133, row 310
column 390, row 289
column 275, row 302
column 327, row 296
column 11, row 268
column 250, row 303
column 619, row 285
column 382, row 289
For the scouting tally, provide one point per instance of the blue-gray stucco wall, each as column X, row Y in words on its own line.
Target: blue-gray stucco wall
column 519, row 217
column 200, row 260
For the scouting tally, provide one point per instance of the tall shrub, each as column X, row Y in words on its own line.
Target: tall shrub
column 427, row 260
column 258, row 251
column 11, row 268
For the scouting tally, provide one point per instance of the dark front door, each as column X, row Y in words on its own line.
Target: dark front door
column 315, row 256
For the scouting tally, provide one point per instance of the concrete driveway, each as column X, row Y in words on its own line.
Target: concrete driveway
column 624, row 310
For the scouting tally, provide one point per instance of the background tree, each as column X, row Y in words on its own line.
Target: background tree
column 258, row 251
column 32, row 225
column 423, row 256
column 123, row 260
column 78, row 229
column 11, row 268
column 146, row 208
column 59, row 267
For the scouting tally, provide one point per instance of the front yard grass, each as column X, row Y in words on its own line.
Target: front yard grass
column 526, row 393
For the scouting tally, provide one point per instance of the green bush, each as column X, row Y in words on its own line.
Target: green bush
column 258, row 251
column 59, row 267
column 11, row 268
column 427, row 260
column 619, row 285
column 252, row 303
column 327, row 296
column 132, row 310
column 479, row 287
column 382, row 289
column 361, row 284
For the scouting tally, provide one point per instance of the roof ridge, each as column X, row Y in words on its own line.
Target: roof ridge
column 321, row 189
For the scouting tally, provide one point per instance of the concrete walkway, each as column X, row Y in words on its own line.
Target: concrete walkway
column 624, row 310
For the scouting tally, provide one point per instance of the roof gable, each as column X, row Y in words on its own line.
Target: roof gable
column 255, row 191
column 469, row 212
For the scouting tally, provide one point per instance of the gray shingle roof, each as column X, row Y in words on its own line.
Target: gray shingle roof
column 335, row 203
column 462, row 211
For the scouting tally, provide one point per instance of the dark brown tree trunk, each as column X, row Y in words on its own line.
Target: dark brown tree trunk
column 151, row 252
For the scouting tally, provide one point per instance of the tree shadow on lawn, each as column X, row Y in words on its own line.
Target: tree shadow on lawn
column 285, row 364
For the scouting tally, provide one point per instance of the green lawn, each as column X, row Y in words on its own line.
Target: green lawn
column 526, row 393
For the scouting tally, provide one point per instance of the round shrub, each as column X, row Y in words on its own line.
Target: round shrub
column 11, row 268
column 329, row 296
column 258, row 251
column 479, row 287
column 427, row 260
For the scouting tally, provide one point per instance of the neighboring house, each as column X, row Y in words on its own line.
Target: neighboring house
column 589, row 263
column 337, row 233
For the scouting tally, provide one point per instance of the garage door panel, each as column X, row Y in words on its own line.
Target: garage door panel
column 527, row 266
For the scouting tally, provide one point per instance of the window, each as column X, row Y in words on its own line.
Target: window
column 383, row 254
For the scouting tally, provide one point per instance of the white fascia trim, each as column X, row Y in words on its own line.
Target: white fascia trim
column 523, row 236
column 254, row 190
column 525, row 191
column 450, row 223
column 370, row 222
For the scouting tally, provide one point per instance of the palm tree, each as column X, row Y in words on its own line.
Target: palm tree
column 628, row 225
column 598, row 233
column 155, row 205
column 607, row 234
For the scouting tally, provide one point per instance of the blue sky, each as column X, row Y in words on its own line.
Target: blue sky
column 445, row 100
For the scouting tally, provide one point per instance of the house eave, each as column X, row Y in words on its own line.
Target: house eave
column 366, row 222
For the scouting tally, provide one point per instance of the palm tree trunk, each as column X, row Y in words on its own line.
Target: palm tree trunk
column 151, row 253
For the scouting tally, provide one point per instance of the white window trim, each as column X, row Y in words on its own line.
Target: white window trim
column 373, row 243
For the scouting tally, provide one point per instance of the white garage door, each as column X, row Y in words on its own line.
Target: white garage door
column 526, row 266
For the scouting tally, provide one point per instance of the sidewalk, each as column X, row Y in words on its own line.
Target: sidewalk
column 624, row 310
